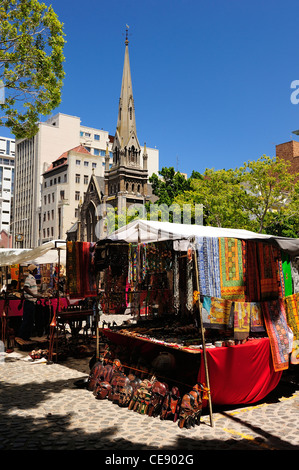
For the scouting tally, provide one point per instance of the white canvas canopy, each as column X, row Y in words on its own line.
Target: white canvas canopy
column 144, row 231
column 44, row 254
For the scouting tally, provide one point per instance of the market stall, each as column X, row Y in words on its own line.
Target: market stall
column 234, row 294
column 49, row 258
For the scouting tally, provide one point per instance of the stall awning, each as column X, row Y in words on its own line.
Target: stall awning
column 44, row 254
column 144, row 231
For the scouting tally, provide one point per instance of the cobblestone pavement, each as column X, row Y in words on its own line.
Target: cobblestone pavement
column 41, row 408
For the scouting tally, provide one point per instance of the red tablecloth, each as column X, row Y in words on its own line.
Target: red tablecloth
column 14, row 303
column 240, row 374
column 12, row 308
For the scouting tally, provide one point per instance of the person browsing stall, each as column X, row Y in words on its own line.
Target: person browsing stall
column 31, row 295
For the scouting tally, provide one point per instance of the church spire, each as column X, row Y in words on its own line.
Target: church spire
column 126, row 133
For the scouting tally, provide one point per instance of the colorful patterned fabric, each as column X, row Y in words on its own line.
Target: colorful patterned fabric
column 292, row 313
column 220, row 312
column 80, row 269
column 242, row 312
column 256, row 318
column 277, row 329
column 231, row 269
column 205, row 311
column 268, row 269
column 133, row 261
column 251, row 272
column 208, row 266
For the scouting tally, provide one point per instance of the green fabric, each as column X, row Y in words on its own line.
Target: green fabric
column 287, row 274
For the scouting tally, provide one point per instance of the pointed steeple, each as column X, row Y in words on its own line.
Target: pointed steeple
column 126, row 146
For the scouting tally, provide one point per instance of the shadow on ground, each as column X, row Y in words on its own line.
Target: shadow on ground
column 52, row 431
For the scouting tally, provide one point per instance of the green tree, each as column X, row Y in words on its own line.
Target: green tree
column 270, row 191
column 261, row 196
column 219, row 192
column 31, row 63
column 169, row 186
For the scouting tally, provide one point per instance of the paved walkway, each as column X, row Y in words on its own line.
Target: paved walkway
column 42, row 409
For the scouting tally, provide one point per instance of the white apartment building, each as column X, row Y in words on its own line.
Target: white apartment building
column 7, row 163
column 64, row 185
column 55, row 136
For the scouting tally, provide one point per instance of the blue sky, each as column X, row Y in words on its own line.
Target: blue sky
column 211, row 79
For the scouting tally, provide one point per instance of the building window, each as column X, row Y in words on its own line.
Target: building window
column 45, row 199
column 77, row 180
column 49, row 198
column 94, row 165
column 96, row 152
column 96, row 137
column 88, row 149
column 78, row 162
column 44, row 233
column 76, row 212
column 52, row 214
column 103, row 153
column 85, row 179
column 86, row 163
column 53, row 197
column 77, row 196
column 65, row 178
column 52, row 231
column 62, row 195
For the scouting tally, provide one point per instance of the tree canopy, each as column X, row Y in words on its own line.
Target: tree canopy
column 31, row 63
column 262, row 196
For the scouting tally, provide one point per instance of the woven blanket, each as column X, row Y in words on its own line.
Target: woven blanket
column 242, row 312
column 208, row 266
column 220, row 313
column 268, row 269
column 231, row 269
column 80, row 269
column 292, row 313
column 277, row 329
column 251, row 271
column 256, row 318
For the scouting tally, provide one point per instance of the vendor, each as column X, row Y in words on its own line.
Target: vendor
column 30, row 295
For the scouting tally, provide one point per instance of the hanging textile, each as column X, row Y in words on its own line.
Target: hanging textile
column 159, row 256
column 287, row 274
column 277, row 329
column 231, row 269
column 251, row 272
column 242, row 312
column 205, row 311
column 208, row 266
column 220, row 312
column 256, row 318
column 80, row 269
column 292, row 312
column 295, row 274
column 176, row 283
column 268, row 268
column 133, row 262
